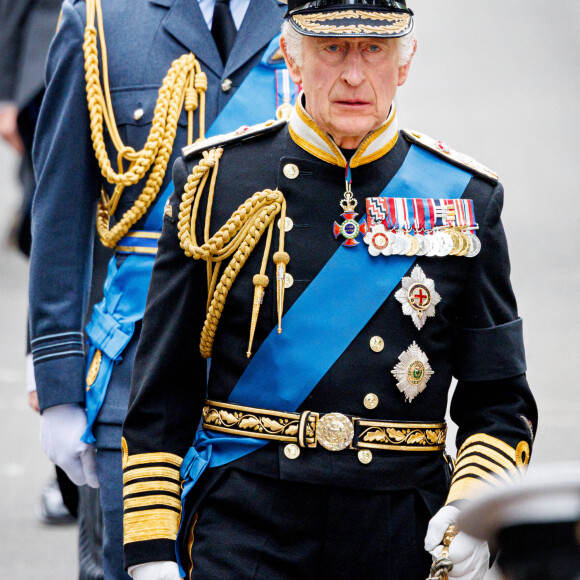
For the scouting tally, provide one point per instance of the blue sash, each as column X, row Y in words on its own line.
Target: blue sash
column 287, row 367
column 125, row 291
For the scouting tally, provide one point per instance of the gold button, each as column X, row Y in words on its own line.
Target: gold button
column 291, row 451
column 365, row 456
column 288, row 224
column 288, row 280
column 138, row 114
column 371, row 401
column 291, row 171
column 377, row 343
column 226, row 85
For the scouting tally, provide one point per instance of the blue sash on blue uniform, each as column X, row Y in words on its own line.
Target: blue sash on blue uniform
column 125, row 291
column 288, row 366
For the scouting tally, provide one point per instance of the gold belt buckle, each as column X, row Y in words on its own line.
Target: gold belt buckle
column 334, row 431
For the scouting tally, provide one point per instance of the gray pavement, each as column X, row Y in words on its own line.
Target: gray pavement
column 497, row 80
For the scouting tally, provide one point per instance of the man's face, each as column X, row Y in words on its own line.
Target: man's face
column 349, row 83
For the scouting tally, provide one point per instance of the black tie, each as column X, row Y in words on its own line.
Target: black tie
column 223, row 28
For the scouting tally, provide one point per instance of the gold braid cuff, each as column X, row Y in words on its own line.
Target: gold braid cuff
column 234, row 241
column 484, row 461
column 151, row 495
column 184, row 85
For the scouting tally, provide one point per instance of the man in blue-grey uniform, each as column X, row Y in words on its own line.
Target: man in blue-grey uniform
column 127, row 84
column 339, row 272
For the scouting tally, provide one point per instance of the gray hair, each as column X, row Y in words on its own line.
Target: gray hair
column 294, row 44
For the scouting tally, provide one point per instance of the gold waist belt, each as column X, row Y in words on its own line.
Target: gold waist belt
column 334, row 431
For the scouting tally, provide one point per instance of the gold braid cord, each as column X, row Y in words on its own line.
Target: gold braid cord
column 184, row 85
column 234, row 241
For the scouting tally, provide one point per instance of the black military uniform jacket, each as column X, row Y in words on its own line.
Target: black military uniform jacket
column 475, row 336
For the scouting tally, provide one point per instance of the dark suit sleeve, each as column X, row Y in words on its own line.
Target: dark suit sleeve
column 167, row 395
column 492, row 404
column 12, row 18
column 63, row 217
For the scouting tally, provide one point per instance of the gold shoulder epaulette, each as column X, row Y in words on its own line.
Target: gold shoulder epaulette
column 244, row 133
column 454, row 157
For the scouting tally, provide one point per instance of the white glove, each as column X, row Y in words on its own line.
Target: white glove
column 155, row 571
column 61, row 428
column 30, row 381
column 470, row 556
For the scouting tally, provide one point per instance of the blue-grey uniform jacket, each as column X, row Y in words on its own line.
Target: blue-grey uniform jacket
column 142, row 38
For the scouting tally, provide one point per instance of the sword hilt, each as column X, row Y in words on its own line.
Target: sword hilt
column 443, row 565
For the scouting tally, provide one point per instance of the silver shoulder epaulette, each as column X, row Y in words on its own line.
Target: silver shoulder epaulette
column 244, row 133
column 444, row 151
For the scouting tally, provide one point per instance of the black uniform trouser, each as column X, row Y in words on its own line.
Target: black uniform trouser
column 249, row 526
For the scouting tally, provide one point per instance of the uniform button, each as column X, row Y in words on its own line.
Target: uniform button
column 138, row 114
column 226, row 85
column 365, row 456
column 291, row 451
column 371, row 401
column 377, row 343
column 288, row 280
column 291, row 171
column 288, row 224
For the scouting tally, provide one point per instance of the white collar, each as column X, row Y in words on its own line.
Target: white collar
column 310, row 137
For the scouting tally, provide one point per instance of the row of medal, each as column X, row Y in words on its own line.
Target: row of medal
column 421, row 227
column 447, row 242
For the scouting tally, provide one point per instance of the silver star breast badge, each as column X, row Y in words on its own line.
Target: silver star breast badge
column 418, row 297
column 412, row 372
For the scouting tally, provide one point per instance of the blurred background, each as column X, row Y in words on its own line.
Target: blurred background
column 495, row 80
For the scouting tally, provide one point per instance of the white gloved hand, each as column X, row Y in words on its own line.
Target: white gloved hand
column 61, row 428
column 30, row 380
column 469, row 555
column 155, row 571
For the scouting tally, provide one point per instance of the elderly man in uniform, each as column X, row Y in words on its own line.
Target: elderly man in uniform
column 339, row 272
column 127, row 82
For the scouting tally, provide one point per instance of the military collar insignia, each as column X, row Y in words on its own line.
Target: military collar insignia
column 412, row 372
column 418, row 297
column 307, row 135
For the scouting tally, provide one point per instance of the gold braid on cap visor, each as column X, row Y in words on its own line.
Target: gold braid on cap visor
column 397, row 23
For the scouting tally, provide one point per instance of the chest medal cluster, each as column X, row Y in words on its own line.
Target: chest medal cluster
column 411, row 227
column 421, row 227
